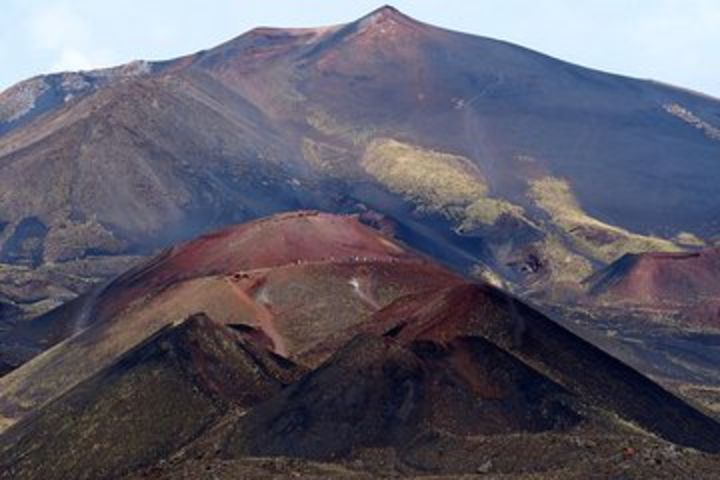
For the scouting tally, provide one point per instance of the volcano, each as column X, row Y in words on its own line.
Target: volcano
column 495, row 159
column 319, row 340
column 299, row 284
column 674, row 282
column 330, row 252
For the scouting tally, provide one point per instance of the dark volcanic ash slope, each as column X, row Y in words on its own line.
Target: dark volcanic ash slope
column 134, row 167
column 331, row 117
column 409, row 370
column 441, row 395
column 156, row 398
column 462, row 406
column 477, row 310
column 467, row 374
column 376, row 393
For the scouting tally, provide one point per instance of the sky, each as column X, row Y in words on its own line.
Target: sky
column 674, row 41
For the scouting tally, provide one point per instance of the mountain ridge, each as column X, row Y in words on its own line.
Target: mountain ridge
column 377, row 374
column 506, row 165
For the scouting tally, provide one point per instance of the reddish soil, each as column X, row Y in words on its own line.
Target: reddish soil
column 689, row 282
column 303, row 240
column 299, row 284
column 264, row 318
column 300, row 238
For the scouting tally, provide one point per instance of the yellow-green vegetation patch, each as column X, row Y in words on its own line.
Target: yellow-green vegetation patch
column 589, row 235
column 433, row 178
column 567, row 267
column 486, row 211
column 437, row 182
column 689, row 240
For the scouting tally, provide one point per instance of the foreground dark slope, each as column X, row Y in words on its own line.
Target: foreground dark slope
column 453, row 382
column 159, row 396
column 477, row 310
column 441, row 403
column 541, row 168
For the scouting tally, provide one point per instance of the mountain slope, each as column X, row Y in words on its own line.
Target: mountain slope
column 157, row 397
column 575, row 364
column 336, row 344
column 299, row 284
column 27, row 100
column 374, row 393
column 452, row 407
column 540, row 167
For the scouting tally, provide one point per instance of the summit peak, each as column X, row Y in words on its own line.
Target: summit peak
column 385, row 13
column 386, row 16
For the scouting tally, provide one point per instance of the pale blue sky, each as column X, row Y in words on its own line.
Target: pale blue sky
column 676, row 41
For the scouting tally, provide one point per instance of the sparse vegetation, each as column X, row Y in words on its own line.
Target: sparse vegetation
column 435, row 179
column 437, row 182
column 451, row 185
column 590, row 236
column 567, row 267
column 5, row 423
column 689, row 239
column 486, row 211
